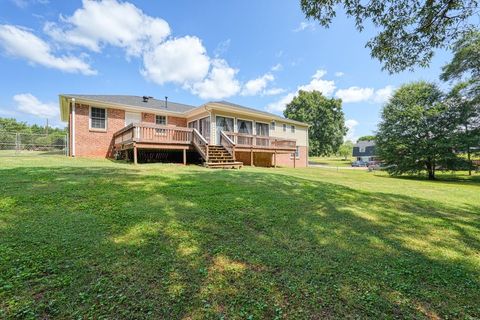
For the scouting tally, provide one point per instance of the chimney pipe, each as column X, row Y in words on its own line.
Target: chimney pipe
column 166, row 102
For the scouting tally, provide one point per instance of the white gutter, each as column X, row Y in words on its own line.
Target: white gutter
column 73, row 127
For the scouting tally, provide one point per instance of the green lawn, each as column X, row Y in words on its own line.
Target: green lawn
column 84, row 238
column 331, row 161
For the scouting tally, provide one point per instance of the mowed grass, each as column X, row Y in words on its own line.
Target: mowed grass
column 331, row 161
column 82, row 238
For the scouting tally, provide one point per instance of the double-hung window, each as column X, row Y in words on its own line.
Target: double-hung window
column 98, row 118
column 284, row 127
column 160, row 120
column 272, row 125
column 292, row 128
column 296, row 154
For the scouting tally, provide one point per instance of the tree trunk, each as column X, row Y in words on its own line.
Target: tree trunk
column 469, row 162
column 430, row 169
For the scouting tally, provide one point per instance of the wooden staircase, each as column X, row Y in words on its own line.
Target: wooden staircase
column 218, row 157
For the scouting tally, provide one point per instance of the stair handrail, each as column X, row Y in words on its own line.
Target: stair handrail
column 227, row 143
column 200, row 143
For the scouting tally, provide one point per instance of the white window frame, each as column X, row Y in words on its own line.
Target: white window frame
column 273, row 125
column 268, row 127
column 246, row 120
column 158, row 131
column 90, row 119
column 162, row 115
column 296, row 153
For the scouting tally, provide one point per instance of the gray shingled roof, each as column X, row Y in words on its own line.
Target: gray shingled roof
column 134, row 101
column 368, row 146
column 258, row 111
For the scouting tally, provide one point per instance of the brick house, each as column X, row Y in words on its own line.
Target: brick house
column 220, row 134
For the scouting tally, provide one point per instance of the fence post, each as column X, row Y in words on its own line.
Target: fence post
column 66, row 144
column 17, row 146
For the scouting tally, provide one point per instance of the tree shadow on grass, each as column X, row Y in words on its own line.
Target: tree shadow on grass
column 123, row 243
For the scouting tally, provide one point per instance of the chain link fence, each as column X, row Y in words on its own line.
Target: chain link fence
column 24, row 144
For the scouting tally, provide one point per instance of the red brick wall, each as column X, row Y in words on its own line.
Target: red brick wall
column 148, row 117
column 285, row 160
column 171, row 120
column 176, row 121
column 90, row 143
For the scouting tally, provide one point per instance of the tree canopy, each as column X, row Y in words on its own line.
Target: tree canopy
column 416, row 132
column 465, row 64
column 325, row 115
column 12, row 125
column 346, row 149
column 409, row 30
column 366, row 138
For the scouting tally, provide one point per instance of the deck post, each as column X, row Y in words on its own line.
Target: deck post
column 294, row 159
column 251, row 158
column 275, row 159
column 134, row 154
column 184, row 157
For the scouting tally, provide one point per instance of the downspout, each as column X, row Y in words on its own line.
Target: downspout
column 73, row 127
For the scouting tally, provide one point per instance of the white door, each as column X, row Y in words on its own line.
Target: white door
column 132, row 117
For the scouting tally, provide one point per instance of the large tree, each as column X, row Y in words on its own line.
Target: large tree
column 416, row 131
column 366, row 138
column 408, row 30
column 346, row 149
column 464, row 98
column 325, row 115
column 466, row 111
column 465, row 64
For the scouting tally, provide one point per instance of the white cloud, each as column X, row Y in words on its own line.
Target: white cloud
column 119, row 24
column 273, row 91
column 279, row 106
column 182, row 60
column 326, row 87
column 339, row 74
column 25, row 3
column 357, row 94
column 222, row 47
column 277, row 67
column 220, row 82
column 20, row 42
column 29, row 104
column 351, row 124
column 258, row 85
column 354, row 94
column 384, row 94
column 304, row 25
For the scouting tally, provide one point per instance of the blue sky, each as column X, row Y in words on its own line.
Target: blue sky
column 255, row 53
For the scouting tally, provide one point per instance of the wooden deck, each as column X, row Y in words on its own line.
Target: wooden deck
column 151, row 136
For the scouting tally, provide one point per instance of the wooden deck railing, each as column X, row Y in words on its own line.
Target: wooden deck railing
column 227, row 143
column 153, row 133
column 249, row 140
column 201, row 144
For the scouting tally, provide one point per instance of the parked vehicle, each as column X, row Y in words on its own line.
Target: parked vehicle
column 359, row 163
